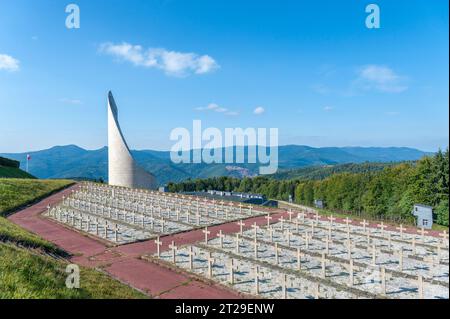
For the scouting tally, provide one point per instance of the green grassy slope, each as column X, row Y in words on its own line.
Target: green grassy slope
column 13, row 172
column 28, row 274
column 31, row 267
column 15, row 193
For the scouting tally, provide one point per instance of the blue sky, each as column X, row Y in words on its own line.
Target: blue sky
column 310, row 68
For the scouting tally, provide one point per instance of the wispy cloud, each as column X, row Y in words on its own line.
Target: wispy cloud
column 171, row 62
column 259, row 110
column 216, row 108
column 379, row 78
column 328, row 108
column 70, row 101
column 8, row 63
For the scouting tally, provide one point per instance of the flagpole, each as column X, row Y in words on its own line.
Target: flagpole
column 27, row 163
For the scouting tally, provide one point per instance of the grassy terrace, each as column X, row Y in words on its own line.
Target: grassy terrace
column 12, row 172
column 15, row 193
column 31, row 267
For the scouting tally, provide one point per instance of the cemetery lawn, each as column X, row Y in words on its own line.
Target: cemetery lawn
column 16, row 193
column 30, row 274
column 31, row 267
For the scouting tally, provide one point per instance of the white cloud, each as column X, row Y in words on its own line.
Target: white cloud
column 8, row 63
column 259, row 110
column 171, row 62
column 216, row 108
column 328, row 108
column 380, row 78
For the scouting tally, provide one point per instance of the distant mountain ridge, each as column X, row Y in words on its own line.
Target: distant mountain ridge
column 72, row 161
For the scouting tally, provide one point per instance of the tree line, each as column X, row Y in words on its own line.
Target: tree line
column 387, row 194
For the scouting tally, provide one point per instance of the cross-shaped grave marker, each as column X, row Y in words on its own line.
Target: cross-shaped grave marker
column 206, row 232
column 364, row 223
column 268, row 217
column 241, row 224
column 174, row 251
column 158, row 244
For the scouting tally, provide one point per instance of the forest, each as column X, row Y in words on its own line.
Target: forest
column 387, row 194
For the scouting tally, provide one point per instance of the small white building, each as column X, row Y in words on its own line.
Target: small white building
column 424, row 215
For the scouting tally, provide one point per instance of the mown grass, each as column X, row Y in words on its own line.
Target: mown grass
column 28, row 275
column 12, row 172
column 15, row 193
column 14, row 234
column 33, row 268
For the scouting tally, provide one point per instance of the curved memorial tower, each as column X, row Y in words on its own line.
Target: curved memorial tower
column 122, row 169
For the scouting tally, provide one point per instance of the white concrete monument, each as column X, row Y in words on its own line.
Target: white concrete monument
column 122, row 169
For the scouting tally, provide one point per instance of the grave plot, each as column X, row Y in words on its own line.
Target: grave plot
column 304, row 258
column 123, row 215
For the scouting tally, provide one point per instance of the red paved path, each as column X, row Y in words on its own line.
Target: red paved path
column 124, row 263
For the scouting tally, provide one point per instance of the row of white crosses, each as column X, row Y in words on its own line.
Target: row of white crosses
column 364, row 224
column 198, row 207
column 71, row 218
column 327, row 241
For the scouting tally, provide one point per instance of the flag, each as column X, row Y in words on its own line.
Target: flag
column 28, row 157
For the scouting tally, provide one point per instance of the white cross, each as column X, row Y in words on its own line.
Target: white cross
column 158, row 243
column 382, row 226
column 237, row 243
column 331, row 219
column 268, row 217
column 301, row 216
column 347, row 221
column 206, row 232
column 191, row 254
column 174, row 251
column 240, row 224
column 255, row 227
column 221, row 237
column 401, row 229
column 299, row 262
column 423, row 232
column 290, row 213
column 364, row 223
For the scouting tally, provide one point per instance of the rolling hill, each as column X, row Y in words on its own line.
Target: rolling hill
column 71, row 161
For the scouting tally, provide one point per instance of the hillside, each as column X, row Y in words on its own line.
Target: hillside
column 31, row 267
column 321, row 172
column 10, row 169
column 72, row 161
